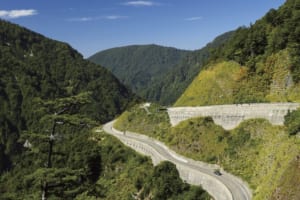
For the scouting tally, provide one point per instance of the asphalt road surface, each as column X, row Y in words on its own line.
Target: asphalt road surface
column 237, row 188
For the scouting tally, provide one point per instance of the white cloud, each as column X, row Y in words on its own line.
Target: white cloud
column 140, row 3
column 193, row 18
column 108, row 17
column 13, row 14
column 114, row 17
column 80, row 19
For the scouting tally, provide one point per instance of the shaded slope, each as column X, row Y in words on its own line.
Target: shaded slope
column 156, row 73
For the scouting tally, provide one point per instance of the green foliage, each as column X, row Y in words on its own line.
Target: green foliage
column 164, row 183
column 292, row 122
column 35, row 70
column 289, row 181
column 198, row 138
column 65, row 164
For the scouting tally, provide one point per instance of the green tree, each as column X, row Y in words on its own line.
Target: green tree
column 292, row 122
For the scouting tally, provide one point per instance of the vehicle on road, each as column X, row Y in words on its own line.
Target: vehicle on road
column 217, row 172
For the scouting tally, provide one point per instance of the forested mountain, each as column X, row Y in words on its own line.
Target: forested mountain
column 50, row 101
column 35, row 69
column 43, row 81
column 260, row 63
column 154, row 72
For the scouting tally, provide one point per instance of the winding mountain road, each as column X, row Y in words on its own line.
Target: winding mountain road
column 220, row 187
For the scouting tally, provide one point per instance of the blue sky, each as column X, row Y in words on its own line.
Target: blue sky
column 93, row 25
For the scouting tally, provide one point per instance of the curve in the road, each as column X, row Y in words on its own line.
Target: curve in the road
column 224, row 187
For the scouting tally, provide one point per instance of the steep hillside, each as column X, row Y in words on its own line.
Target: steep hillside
column 46, row 87
column 265, row 156
column 268, row 55
column 212, row 86
column 34, row 68
column 156, row 73
column 228, row 82
column 172, row 85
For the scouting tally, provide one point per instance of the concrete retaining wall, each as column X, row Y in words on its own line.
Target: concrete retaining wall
column 229, row 116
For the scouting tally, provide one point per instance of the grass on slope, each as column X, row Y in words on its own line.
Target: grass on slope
column 288, row 181
column 256, row 151
column 212, row 86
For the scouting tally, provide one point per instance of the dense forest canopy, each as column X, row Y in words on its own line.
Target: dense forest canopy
column 276, row 31
column 140, row 67
column 39, row 79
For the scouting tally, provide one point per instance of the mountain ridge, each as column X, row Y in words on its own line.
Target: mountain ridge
column 169, row 73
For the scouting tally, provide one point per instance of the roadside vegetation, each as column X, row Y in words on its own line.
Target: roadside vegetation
column 258, row 152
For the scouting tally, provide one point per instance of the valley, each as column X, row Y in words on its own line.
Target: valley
column 220, row 122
